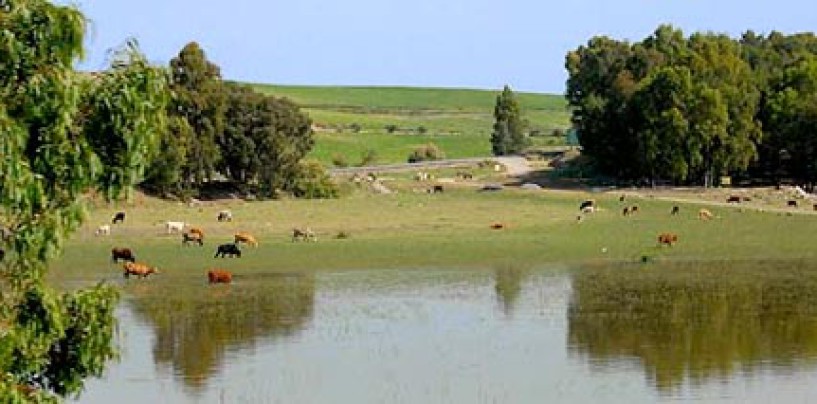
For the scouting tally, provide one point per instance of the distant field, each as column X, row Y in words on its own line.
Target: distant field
column 457, row 120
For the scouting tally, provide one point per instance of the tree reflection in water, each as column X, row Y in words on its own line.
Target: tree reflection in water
column 693, row 322
column 196, row 324
column 508, row 286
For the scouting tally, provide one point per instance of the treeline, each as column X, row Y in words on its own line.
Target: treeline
column 221, row 131
column 691, row 109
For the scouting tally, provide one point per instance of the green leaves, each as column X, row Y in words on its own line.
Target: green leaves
column 508, row 136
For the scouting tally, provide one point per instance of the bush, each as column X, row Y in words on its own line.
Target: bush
column 368, row 157
column 313, row 182
column 426, row 152
column 355, row 127
column 422, row 130
column 391, row 128
column 339, row 160
column 559, row 132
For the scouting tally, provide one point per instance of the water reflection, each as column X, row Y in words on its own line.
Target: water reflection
column 196, row 325
column 691, row 323
column 508, row 284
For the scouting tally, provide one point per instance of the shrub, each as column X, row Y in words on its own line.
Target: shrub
column 559, row 132
column 355, row 127
column 339, row 160
column 427, row 152
column 422, row 130
column 391, row 128
column 313, row 182
column 368, row 157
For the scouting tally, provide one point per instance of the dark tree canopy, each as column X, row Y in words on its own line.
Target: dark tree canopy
column 508, row 136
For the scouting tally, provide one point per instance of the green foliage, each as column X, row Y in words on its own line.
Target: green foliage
column 390, row 128
column 368, row 157
column 426, row 152
column 339, row 160
column 508, row 136
column 64, row 134
column 313, row 182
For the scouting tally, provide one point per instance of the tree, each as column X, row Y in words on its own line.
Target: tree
column 265, row 138
column 508, row 136
column 199, row 100
column 64, row 133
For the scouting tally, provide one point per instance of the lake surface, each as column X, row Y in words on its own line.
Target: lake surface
column 738, row 332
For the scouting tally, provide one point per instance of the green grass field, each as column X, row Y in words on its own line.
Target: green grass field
column 457, row 120
column 414, row 229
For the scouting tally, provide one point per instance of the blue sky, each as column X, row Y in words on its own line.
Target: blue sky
column 439, row 43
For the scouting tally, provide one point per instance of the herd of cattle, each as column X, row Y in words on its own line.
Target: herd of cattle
column 193, row 235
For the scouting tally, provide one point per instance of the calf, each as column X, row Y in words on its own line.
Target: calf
column 219, row 276
column 248, row 238
column 174, row 227
column 119, row 217
column 225, row 216
column 733, row 199
column 191, row 237
column 667, row 239
column 124, row 254
column 230, row 249
column 305, row 234
column 139, row 270
column 104, row 230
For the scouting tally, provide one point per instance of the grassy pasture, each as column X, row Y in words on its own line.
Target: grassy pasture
column 414, row 229
column 457, row 120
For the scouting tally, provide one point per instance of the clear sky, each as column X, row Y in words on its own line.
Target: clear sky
column 439, row 43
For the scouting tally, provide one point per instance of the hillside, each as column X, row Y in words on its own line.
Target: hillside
column 349, row 121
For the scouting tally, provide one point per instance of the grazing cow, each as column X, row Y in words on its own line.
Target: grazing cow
column 633, row 209
column 305, row 234
column 705, row 214
column 139, row 270
column 119, row 217
column 192, row 237
column 791, row 203
column 733, row 199
column 230, row 249
column 198, row 231
column 104, row 230
column 246, row 238
column 626, row 211
column 587, row 204
column 174, row 227
column 667, row 239
column 675, row 210
column 219, row 276
column 437, row 189
column 621, row 198
column 225, row 216
column 124, row 254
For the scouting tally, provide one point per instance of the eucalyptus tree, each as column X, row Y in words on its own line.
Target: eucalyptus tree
column 64, row 134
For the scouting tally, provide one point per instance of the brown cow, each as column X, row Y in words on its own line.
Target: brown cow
column 667, row 238
column 733, row 199
column 124, row 254
column 498, row 226
column 192, row 237
column 197, row 230
column 219, row 276
column 140, row 270
column 246, row 238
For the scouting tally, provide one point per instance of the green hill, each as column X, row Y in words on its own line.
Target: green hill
column 392, row 121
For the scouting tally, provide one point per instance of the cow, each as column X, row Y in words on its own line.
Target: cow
column 465, row 175
column 225, row 216
column 791, row 203
column 588, row 209
column 174, row 227
column 626, row 211
column 125, row 254
column 704, row 214
column 305, row 234
column 198, row 231
column 733, row 199
column 437, row 189
column 104, row 230
column 497, row 226
column 119, row 217
column 667, row 239
column 230, row 249
column 587, row 204
column 675, row 210
column 2, row 254
column 634, row 209
column 621, row 198
column 219, row 276
column 192, row 237
column 139, row 270
column 248, row 238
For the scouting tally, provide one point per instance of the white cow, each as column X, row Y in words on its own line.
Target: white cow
column 174, row 227
column 104, row 230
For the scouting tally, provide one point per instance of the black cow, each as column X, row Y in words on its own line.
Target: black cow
column 437, row 189
column 119, row 217
column 791, row 203
column 124, row 254
column 675, row 210
column 230, row 249
column 586, row 204
column 2, row 254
